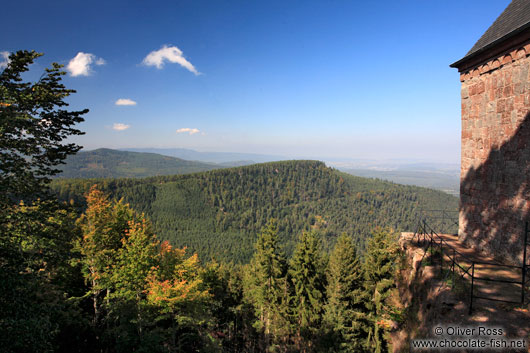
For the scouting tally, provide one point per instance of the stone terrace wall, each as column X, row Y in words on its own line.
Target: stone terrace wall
column 495, row 174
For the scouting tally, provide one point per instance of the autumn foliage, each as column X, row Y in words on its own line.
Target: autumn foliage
column 131, row 275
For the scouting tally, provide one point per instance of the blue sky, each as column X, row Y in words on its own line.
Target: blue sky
column 306, row 79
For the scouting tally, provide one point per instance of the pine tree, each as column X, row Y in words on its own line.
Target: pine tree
column 265, row 284
column 307, row 275
column 380, row 259
column 345, row 310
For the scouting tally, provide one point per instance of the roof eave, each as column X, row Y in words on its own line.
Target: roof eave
column 461, row 64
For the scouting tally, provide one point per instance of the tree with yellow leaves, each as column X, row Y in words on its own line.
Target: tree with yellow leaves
column 176, row 287
column 143, row 291
column 103, row 226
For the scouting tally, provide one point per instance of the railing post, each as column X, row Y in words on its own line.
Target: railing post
column 424, row 229
column 418, row 233
column 430, row 247
column 453, row 269
column 443, row 221
column 441, row 258
column 472, row 283
column 523, row 276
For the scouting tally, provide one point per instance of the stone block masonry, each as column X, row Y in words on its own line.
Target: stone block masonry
column 495, row 170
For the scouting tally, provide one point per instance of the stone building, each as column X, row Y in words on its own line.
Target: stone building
column 495, row 165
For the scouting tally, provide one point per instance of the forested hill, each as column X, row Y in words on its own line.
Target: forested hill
column 108, row 163
column 219, row 213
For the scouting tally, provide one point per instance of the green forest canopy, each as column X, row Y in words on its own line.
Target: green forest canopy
column 219, row 213
column 101, row 280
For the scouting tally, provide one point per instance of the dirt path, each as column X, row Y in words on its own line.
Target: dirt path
column 453, row 305
column 487, row 273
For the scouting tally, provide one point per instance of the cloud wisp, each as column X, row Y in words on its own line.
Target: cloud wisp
column 4, row 59
column 172, row 54
column 81, row 64
column 188, row 130
column 120, row 126
column 125, row 101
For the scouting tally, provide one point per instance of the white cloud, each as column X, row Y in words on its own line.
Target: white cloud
column 188, row 130
column 120, row 126
column 171, row 54
column 80, row 65
column 4, row 59
column 125, row 101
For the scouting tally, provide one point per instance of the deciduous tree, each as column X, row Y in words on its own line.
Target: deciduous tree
column 33, row 126
column 34, row 235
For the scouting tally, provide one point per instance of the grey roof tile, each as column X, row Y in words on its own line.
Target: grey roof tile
column 515, row 16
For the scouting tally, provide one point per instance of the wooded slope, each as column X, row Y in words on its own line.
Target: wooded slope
column 108, row 163
column 219, row 213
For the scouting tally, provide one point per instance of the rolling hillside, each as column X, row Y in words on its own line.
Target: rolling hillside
column 108, row 163
column 226, row 158
column 219, row 213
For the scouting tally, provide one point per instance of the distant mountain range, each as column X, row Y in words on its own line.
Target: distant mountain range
column 441, row 176
column 108, row 163
column 231, row 159
column 145, row 162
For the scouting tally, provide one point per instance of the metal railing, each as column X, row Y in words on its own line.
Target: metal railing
column 433, row 239
column 445, row 221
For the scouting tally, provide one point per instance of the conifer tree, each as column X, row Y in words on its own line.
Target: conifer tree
column 308, row 278
column 345, row 310
column 380, row 260
column 266, row 284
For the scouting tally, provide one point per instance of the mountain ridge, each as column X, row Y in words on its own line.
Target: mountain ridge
column 110, row 163
column 219, row 213
column 210, row 157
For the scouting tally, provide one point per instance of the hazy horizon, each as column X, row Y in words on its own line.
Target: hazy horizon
column 344, row 162
column 315, row 80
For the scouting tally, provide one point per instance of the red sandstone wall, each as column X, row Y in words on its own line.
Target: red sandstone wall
column 495, row 169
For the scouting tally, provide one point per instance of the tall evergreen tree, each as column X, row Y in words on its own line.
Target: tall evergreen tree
column 380, row 262
column 266, row 284
column 307, row 270
column 345, row 310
